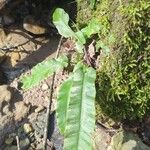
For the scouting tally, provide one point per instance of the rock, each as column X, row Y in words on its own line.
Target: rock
column 9, row 141
column 20, row 131
column 21, row 111
column 11, row 147
column 33, row 26
column 24, row 144
column 8, row 20
column 2, row 78
column 39, row 146
column 101, row 139
column 33, row 145
column 3, row 3
column 27, row 128
column 146, row 134
column 14, row 58
column 46, row 99
column 5, row 96
column 127, row 141
column 2, row 55
column 7, row 125
column 6, row 109
column 39, row 109
column 45, row 87
column 3, row 37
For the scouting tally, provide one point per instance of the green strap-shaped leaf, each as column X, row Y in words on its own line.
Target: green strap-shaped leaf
column 63, row 99
column 81, row 110
column 93, row 27
column 92, row 3
column 43, row 70
column 61, row 20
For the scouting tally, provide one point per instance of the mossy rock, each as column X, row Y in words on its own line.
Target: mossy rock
column 127, row 141
column 123, row 83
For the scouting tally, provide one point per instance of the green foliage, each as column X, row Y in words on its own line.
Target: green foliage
column 123, row 80
column 63, row 99
column 76, row 108
column 92, row 3
column 44, row 70
column 76, row 96
column 61, row 20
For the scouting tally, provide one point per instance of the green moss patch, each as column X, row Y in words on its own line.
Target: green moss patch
column 123, row 85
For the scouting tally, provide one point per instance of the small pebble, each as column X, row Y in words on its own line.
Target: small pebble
column 12, row 135
column 27, row 128
column 24, row 144
column 8, row 20
column 46, row 99
column 30, row 148
column 9, row 141
column 31, row 135
column 45, row 87
column 40, row 108
column 33, row 145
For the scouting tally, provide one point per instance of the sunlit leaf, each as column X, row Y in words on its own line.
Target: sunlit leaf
column 44, row 70
column 63, row 99
column 93, row 27
column 81, row 111
column 61, row 20
column 78, row 118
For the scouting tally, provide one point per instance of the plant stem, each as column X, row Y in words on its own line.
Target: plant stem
column 18, row 143
column 50, row 100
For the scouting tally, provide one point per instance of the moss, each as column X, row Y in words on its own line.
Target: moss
column 123, row 79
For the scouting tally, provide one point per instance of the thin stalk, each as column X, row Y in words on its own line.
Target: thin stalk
column 50, row 100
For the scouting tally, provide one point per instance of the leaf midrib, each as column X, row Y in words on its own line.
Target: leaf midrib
column 81, row 109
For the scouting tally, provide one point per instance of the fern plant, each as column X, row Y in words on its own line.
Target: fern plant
column 76, row 96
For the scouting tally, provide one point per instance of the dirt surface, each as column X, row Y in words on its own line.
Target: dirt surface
column 23, row 44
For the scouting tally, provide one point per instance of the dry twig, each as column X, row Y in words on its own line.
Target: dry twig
column 18, row 143
column 50, row 100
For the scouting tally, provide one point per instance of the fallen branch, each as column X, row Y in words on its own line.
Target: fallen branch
column 18, row 143
column 50, row 100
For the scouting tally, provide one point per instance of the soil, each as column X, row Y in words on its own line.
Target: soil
column 21, row 49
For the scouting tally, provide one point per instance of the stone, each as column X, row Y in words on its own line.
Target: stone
column 45, row 87
column 33, row 145
column 46, row 99
column 15, row 57
column 24, row 144
column 27, row 128
column 39, row 146
column 12, row 59
column 3, row 37
column 7, row 126
column 8, row 20
column 2, row 55
column 127, row 141
column 20, row 131
column 101, row 139
column 33, row 26
column 3, row 79
column 11, row 148
column 21, row 111
column 39, row 109
column 9, row 141
column 6, row 109
column 5, row 96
